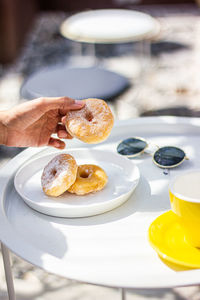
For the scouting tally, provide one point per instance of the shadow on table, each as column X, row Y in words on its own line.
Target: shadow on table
column 135, row 203
column 145, row 198
column 37, row 231
column 29, row 227
column 175, row 267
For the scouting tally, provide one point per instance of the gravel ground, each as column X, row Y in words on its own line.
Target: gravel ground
column 168, row 84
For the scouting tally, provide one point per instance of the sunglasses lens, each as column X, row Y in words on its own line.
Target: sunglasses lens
column 131, row 146
column 169, row 156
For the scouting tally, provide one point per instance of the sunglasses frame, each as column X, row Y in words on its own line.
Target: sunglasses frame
column 173, row 166
column 139, row 153
column 154, row 161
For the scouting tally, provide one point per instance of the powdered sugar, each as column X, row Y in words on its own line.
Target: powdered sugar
column 54, row 172
column 93, row 121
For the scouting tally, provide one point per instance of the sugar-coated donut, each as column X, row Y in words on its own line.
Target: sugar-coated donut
column 59, row 174
column 93, row 123
column 90, row 178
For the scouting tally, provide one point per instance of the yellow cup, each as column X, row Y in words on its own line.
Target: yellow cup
column 184, row 191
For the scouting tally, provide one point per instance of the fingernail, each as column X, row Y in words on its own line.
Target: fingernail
column 62, row 145
column 57, row 144
column 63, row 134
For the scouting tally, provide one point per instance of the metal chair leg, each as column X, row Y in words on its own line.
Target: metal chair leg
column 8, row 272
column 123, row 294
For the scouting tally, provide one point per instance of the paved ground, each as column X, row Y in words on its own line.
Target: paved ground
column 170, row 85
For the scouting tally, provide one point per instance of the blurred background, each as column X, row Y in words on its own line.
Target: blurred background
column 30, row 40
column 161, row 78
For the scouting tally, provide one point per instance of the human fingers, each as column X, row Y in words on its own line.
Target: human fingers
column 62, row 132
column 64, row 104
column 31, row 111
column 56, row 143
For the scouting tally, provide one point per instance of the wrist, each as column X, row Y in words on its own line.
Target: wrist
column 3, row 129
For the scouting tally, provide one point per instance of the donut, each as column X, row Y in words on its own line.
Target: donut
column 58, row 175
column 92, row 124
column 90, row 178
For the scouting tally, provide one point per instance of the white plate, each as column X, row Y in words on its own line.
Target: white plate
column 123, row 177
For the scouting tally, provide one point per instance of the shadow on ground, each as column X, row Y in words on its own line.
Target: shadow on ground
column 158, row 48
column 180, row 111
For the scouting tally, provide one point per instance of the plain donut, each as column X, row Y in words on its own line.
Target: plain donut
column 90, row 178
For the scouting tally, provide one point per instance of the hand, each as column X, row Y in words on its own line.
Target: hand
column 32, row 123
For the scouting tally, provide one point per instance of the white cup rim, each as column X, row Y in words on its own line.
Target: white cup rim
column 179, row 195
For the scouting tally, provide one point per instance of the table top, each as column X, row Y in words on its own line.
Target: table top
column 110, row 249
column 110, row 26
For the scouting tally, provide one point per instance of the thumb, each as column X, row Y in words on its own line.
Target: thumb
column 33, row 110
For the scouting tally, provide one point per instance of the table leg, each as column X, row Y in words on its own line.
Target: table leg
column 77, row 49
column 91, row 50
column 146, row 45
column 8, row 272
column 123, row 294
column 144, row 48
column 91, row 55
column 82, row 58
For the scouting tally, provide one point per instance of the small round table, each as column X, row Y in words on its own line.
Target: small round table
column 110, row 249
column 107, row 26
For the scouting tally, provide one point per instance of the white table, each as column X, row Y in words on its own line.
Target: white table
column 111, row 249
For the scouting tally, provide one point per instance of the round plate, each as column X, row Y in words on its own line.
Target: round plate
column 109, row 26
column 123, row 177
column 167, row 237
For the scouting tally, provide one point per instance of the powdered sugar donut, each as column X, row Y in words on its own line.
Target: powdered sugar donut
column 92, row 124
column 59, row 174
column 90, row 178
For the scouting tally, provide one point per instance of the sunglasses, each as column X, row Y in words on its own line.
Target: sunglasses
column 164, row 157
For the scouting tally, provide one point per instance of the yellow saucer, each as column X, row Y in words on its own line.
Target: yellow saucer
column 166, row 236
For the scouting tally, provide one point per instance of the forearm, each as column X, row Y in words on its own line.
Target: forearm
column 3, row 129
